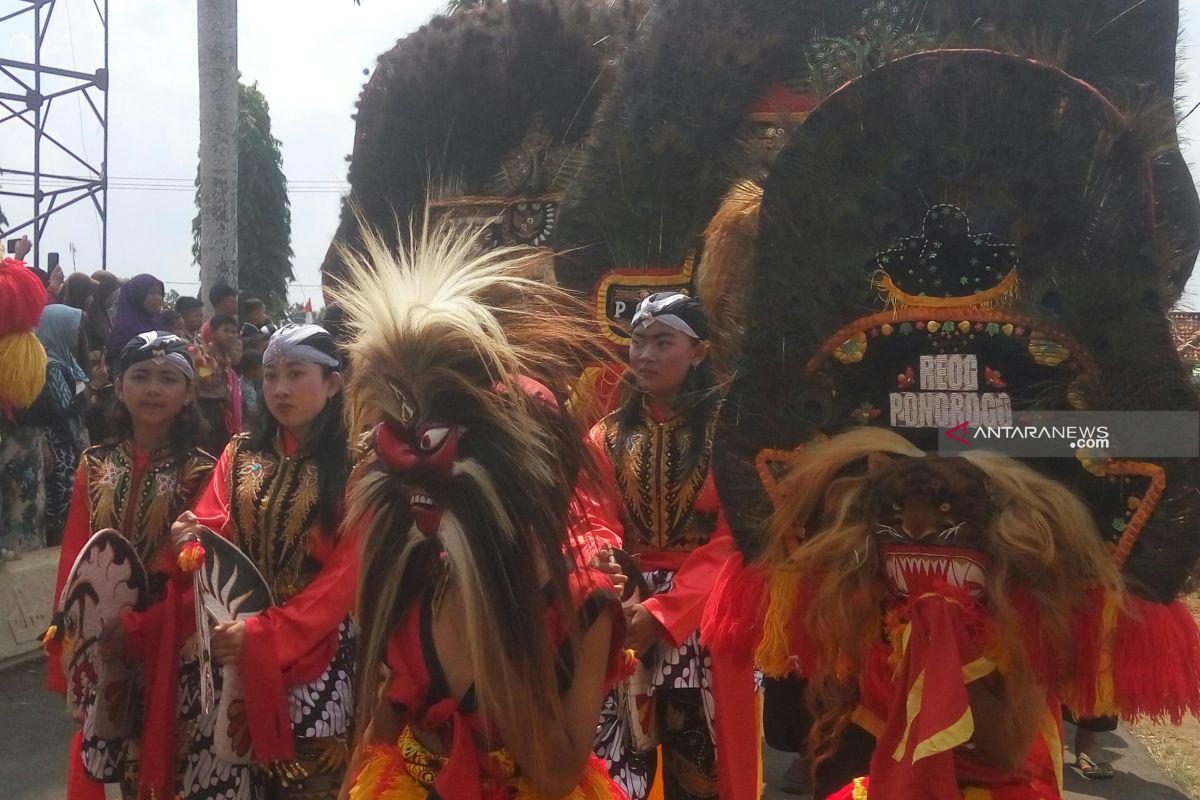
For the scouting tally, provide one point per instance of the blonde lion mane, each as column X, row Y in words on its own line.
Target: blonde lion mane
column 444, row 318
column 1041, row 538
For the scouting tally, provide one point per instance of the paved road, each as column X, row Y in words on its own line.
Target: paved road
column 34, row 731
column 1137, row 778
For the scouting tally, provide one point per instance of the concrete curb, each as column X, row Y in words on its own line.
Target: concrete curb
column 26, row 603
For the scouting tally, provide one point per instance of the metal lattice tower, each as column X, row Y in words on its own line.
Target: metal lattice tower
column 28, row 95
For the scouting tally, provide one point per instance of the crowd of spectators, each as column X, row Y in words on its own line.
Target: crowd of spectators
column 86, row 321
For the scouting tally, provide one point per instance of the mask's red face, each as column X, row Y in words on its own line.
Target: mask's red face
column 423, row 454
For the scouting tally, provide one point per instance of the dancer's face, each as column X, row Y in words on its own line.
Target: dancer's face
column 661, row 358
column 296, row 392
column 154, row 394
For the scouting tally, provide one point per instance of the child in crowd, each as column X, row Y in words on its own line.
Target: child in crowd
column 250, row 377
column 172, row 322
column 224, row 299
column 192, row 311
column 256, row 323
column 219, row 391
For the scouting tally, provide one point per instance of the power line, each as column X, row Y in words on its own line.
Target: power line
column 189, row 184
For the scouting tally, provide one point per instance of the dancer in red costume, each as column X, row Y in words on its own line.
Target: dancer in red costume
column 947, row 607
column 138, row 486
column 278, row 495
column 655, row 453
column 488, row 647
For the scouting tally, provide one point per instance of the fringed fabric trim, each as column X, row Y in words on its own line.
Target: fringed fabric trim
column 1002, row 294
column 774, row 652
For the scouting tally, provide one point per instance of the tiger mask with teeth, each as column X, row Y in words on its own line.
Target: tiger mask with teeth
column 867, row 522
column 930, row 521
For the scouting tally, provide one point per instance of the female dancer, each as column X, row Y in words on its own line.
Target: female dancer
column 655, row 451
column 488, row 647
column 277, row 494
column 138, row 485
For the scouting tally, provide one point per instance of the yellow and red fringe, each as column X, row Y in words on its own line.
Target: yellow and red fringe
column 774, row 652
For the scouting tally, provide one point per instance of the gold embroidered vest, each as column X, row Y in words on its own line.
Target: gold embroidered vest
column 143, row 506
column 659, row 488
column 272, row 506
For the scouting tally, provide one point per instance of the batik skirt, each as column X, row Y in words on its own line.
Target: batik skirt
column 321, row 714
column 618, row 739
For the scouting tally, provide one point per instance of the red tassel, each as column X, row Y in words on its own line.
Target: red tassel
column 22, row 297
column 733, row 617
column 1156, row 666
column 1091, row 645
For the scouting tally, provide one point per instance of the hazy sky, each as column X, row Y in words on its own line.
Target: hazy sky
column 308, row 57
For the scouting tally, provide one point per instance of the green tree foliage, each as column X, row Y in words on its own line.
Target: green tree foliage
column 264, row 211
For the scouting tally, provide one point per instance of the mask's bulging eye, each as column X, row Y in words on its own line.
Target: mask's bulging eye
column 895, row 506
column 433, row 438
column 944, row 507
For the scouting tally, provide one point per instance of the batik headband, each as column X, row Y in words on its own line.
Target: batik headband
column 674, row 310
column 159, row 347
column 304, row 343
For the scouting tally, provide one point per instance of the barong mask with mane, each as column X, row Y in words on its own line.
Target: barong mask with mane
column 471, row 466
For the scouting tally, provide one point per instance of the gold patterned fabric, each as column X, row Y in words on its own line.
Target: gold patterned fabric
column 408, row 771
column 659, row 486
column 272, row 505
column 142, row 503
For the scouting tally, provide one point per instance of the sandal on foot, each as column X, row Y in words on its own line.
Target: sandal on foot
column 1092, row 769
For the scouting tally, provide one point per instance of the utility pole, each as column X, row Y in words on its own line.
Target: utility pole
column 217, row 31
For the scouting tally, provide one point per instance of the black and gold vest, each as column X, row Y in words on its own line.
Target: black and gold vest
column 272, row 506
column 669, row 503
column 143, row 506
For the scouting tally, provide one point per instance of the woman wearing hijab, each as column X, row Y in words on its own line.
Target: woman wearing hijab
column 97, row 318
column 137, row 311
column 78, row 291
column 59, row 410
column 97, row 326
